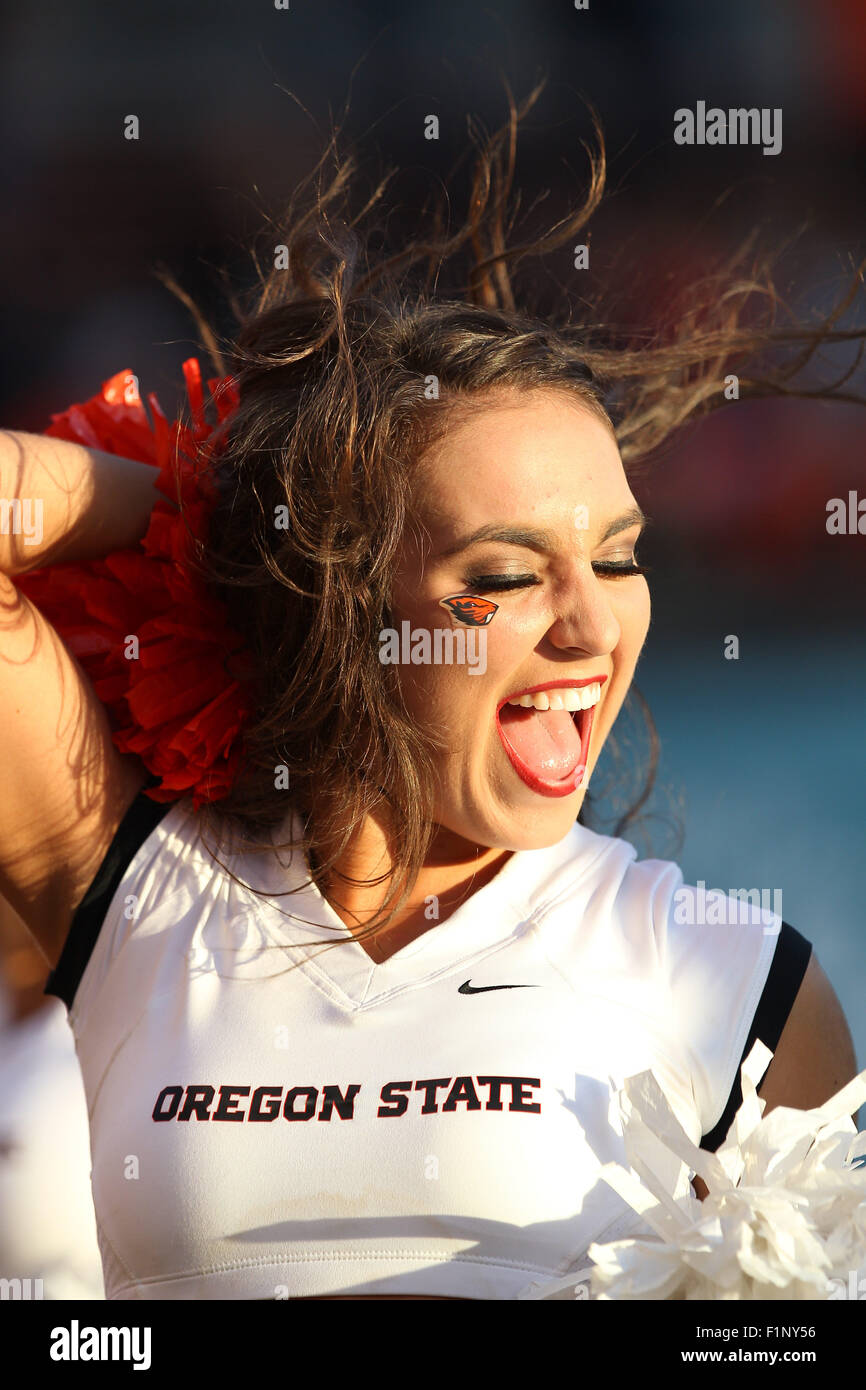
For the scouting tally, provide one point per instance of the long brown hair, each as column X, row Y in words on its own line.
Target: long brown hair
column 334, row 360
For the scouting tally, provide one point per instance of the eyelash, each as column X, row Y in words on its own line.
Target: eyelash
column 501, row 583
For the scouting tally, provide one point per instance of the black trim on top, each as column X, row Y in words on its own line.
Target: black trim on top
column 141, row 818
column 788, row 967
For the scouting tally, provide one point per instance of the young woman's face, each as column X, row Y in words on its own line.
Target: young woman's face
column 544, row 474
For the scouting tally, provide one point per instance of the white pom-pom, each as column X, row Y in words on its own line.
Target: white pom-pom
column 785, row 1217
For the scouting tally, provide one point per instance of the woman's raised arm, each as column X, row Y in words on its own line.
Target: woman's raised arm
column 65, row 788
column 60, row 501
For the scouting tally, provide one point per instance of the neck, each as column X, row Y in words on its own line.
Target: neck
column 453, row 869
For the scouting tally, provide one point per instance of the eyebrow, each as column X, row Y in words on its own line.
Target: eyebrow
column 532, row 539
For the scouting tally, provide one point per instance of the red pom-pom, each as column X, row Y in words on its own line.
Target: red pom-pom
column 154, row 641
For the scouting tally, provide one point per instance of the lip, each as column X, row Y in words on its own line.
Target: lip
column 564, row 786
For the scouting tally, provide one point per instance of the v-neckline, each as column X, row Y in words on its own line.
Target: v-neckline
column 466, row 895
column 484, row 919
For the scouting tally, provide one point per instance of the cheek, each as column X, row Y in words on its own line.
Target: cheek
column 633, row 613
column 446, row 696
column 635, row 616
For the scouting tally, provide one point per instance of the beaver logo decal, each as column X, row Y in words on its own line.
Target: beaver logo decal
column 466, row 608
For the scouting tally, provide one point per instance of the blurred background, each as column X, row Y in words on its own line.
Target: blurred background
column 763, row 757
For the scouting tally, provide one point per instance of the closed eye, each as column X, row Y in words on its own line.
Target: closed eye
column 612, row 571
column 502, row 583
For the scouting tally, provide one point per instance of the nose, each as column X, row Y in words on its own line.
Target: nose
column 586, row 621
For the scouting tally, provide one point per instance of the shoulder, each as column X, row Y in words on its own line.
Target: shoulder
column 151, row 852
column 732, row 970
column 815, row 1054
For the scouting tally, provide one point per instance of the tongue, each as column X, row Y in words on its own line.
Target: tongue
column 547, row 741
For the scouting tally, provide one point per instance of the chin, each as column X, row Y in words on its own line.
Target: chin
column 522, row 827
column 534, row 831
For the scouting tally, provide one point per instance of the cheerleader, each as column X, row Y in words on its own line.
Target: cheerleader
column 351, row 983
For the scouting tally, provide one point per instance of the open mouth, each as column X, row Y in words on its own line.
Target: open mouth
column 546, row 731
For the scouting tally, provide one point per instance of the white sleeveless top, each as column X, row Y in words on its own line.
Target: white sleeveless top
column 47, row 1226
column 271, row 1120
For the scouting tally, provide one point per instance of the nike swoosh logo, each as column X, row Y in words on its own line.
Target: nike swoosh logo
column 466, row 988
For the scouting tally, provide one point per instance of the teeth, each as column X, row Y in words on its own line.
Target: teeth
column 565, row 697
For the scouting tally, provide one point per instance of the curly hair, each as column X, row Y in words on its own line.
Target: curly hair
column 334, row 360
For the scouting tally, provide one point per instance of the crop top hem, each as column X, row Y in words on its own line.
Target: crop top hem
column 312, row 1275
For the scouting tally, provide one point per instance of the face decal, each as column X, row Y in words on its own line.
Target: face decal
column 469, row 610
